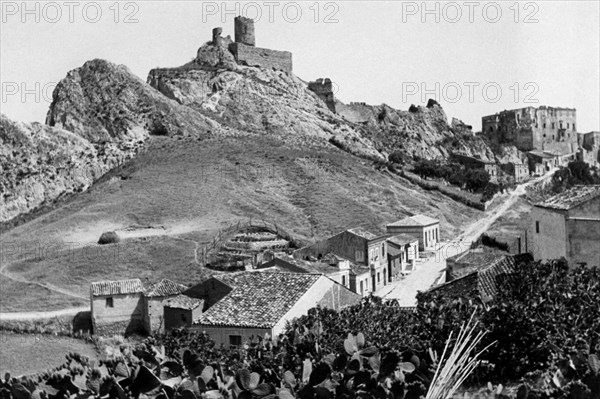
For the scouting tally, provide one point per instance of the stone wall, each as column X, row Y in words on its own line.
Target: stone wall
column 261, row 57
column 532, row 128
column 126, row 310
column 549, row 242
column 244, row 31
column 323, row 88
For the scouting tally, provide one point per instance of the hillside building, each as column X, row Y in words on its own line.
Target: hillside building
column 366, row 252
column 245, row 51
column 421, row 227
column 475, row 163
column 531, row 128
column 252, row 304
column 117, row 306
column 567, row 225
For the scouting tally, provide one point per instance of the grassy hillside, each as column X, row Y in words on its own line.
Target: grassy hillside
column 179, row 192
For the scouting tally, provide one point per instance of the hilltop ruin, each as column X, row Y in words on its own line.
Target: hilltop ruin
column 244, row 48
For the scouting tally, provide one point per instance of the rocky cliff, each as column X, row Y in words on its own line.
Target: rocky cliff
column 102, row 115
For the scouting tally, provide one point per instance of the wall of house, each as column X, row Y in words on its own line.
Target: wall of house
column 583, row 241
column 428, row 236
column 220, row 334
column 154, row 314
column 323, row 292
column 261, row 57
column 126, row 315
column 176, row 318
column 550, row 242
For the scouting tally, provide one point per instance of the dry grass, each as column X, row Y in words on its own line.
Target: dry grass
column 29, row 354
column 194, row 188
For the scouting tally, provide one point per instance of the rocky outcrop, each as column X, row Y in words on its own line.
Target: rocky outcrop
column 100, row 117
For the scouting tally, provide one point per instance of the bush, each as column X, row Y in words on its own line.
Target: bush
column 109, row 237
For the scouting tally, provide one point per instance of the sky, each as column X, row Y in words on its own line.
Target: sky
column 475, row 58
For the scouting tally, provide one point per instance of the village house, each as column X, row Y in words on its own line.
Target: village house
column 423, row 228
column 125, row 306
column 366, row 252
column 403, row 252
column 154, row 298
column 252, row 304
column 481, row 280
column 117, row 306
column 181, row 311
column 567, row 225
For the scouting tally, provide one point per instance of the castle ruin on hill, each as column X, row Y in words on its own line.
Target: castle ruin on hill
column 244, row 47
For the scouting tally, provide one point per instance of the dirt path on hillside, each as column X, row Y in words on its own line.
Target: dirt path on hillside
column 471, row 233
column 476, row 229
column 21, row 316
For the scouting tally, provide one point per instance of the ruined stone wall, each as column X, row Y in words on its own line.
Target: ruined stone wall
column 324, row 89
column 244, row 31
column 261, row 57
column 532, row 128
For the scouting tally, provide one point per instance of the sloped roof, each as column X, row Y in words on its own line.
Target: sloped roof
column 165, row 288
column 402, row 239
column 120, row 287
column 571, row 198
column 184, row 302
column 257, row 299
column 359, row 231
column 482, row 280
column 417, row 220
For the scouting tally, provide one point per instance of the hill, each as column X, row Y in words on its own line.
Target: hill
column 168, row 163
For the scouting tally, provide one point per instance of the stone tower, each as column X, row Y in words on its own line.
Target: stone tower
column 216, row 36
column 324, row 89
column 244, row 31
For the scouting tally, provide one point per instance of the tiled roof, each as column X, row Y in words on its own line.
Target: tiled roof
column 402, row 239
column 482, row 280
column 121, row 287
column 417, row 220
column 257, row 299
column 183, row 302
column 487, row 278
column 476, row 258
column 165, row 288
column 571, row 198
column 359, row 231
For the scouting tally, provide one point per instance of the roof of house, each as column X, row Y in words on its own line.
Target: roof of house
column 482, row 280
column 359, row 231
column 402, row 239
column 165, row 288
column 257, row 300
column 571, row 198
column 120, row 287
column 416, row 220
column 184, row 302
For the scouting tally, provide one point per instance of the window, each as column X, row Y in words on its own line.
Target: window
column 235, row 340
column 382, row 249
column 544, row 125
column 552, row 125
column 560, row 125
column 344, row 281
column 537, row 227
column 361, row 287
column 437, row 232
column 574, row 126
column 568, row 125
column 109, row 302
column 359, row 255
column 378, row 277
